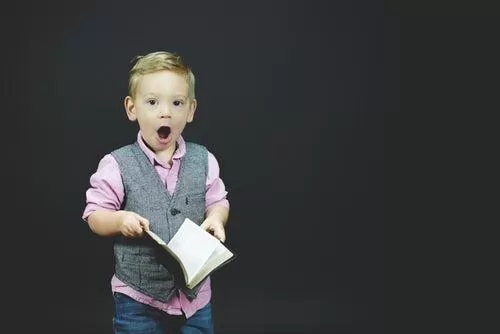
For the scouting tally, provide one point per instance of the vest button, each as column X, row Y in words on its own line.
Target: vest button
column 174, row 212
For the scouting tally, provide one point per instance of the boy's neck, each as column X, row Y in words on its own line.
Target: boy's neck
column 166, row 155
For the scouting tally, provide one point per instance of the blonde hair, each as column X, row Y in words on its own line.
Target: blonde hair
column 159, row 61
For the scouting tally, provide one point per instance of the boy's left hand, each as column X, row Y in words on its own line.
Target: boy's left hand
column 215, row 227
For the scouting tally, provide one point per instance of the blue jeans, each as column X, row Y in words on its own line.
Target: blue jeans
column 134, row 317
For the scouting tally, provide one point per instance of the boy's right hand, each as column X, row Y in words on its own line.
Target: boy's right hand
column 132, row 224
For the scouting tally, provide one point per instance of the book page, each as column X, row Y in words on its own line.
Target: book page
column 193, row 246
column 156, row 237
column 220, row 255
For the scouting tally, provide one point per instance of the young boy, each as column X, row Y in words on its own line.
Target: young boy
column 156, row 182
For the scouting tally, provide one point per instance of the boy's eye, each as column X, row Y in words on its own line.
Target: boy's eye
column 152, row 102
column 178, row 103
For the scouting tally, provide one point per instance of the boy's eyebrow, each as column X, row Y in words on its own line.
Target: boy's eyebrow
column 171, row 95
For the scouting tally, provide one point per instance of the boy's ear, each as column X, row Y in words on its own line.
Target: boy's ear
column 192, row 109
column 130, row 108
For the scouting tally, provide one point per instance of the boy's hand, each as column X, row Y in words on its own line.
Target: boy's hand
column 215, row 227
column 132, row 224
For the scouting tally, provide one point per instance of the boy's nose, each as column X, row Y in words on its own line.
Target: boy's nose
column 165, row 112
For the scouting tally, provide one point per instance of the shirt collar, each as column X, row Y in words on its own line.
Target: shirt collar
column 178, row 153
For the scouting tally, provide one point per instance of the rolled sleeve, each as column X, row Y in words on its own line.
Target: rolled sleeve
column 215, row 188
column 106, row 187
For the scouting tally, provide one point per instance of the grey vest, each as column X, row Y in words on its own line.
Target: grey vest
column 137, row 262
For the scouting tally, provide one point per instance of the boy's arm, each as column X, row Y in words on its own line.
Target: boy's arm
column 219, row 212
column 215, row 219
column 217, row 205
column 104, row 222
column 104, row 199
column 110, row 223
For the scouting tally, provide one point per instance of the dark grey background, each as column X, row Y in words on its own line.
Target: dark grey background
column 292, row 101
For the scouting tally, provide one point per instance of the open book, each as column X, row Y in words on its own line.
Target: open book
column 197, row 251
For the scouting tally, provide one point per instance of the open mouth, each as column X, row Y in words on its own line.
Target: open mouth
column 163, row 132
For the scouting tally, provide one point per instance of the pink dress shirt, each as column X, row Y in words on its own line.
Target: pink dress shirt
column 106, row 192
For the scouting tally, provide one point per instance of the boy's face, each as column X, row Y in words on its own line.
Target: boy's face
column 162, row 108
